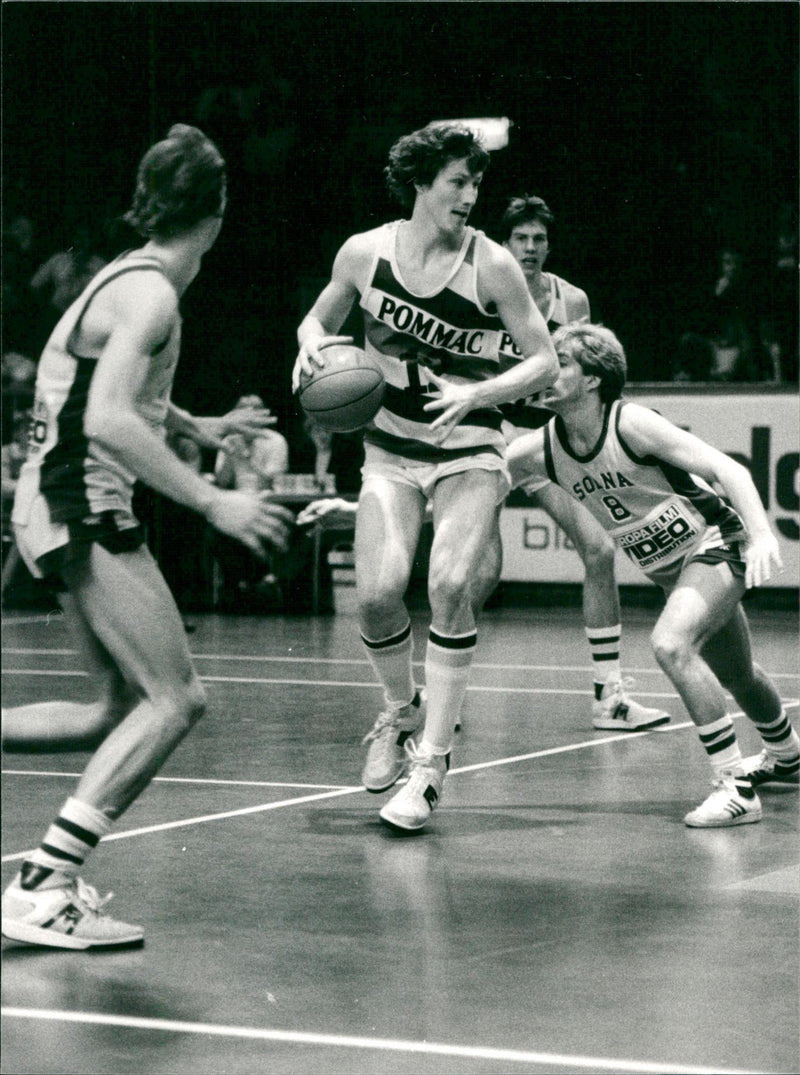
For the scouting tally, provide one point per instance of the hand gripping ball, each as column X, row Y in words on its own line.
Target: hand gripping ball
column 346, row 393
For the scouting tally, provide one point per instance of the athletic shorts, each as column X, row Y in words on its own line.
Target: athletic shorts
column 48, row 547
column 712, row 553
column 424, row 476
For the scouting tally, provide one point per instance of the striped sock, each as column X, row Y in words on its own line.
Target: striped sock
column 780, row 738
column 447, row 663
column 391, row 662
column 75, row 832
column 719, row 740
column 604, row 648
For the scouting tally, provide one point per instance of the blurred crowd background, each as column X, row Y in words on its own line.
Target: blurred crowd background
column 662, row 135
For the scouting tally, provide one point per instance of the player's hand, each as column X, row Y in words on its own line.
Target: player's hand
column 332, row 512
column 252, row 519
column 762, row 558
column 454, row 401
column 247, row 421
column 310, row 356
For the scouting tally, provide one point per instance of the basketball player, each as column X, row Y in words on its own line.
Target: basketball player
column 649, row 484
column 437, row 299
column 524, row 231
column 100, row 412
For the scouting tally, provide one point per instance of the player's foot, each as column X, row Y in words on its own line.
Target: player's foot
column 386, row 759
column 765, row 768
column 68, row 917
column 732, row 802
column 414, row 803
column 616, row 711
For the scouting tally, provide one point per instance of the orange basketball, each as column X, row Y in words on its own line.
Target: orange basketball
column 346, row 393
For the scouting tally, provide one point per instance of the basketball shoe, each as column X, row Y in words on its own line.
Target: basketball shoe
column 414, row 803
column 766, row 768
column 71, row 916
column 732, row 802
column 386, row 759
column 615, row 711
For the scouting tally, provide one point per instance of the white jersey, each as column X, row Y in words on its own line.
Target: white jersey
column 656, row 512
column 447, row 331
column 74, row 475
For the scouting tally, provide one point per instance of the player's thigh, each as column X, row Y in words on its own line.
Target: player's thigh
column 388, row 524
column 129, row 608
column 94, row 656
column 582, row 529
column 465, row 520
column 701, row 604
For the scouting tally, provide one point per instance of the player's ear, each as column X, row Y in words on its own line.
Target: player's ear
column 592, row 381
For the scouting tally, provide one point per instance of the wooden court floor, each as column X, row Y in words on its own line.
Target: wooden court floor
column 555, row 916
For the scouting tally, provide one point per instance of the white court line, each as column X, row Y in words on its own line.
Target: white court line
column 361, row 662
column 345, row 1041
column 264, row 807
column 163, row 826
column 195, row 780
column 341, row 683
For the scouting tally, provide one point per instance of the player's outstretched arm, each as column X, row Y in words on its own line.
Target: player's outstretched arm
column 252, row 519
column 209, row 432
column 318, row 328
column 649, row 433
column 332, row 513
column 503, row 285
column 525, row 456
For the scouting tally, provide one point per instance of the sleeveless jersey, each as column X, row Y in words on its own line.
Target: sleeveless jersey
column 523, row 413
column 447, row 331
column 76, row 477
column 656, row 512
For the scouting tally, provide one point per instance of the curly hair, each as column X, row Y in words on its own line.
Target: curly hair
column 597, row 351
column 180, row 181
column 417, row 158
column 522, row 211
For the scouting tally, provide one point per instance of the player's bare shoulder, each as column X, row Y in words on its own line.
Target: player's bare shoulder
column 498, row 270
column 355, row 256
column 576, row 301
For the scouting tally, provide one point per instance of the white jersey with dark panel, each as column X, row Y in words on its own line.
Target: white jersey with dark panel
column 656, row 512
column 524, row 413
column 447, row 331
column 67, row 477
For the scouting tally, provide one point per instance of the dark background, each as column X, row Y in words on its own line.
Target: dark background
column 655, row 131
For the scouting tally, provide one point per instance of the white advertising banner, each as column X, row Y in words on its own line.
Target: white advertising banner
column 759, row 429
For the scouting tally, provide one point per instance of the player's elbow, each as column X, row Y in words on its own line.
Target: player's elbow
column 103, row 425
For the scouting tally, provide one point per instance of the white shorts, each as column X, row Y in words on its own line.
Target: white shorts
column 47, row 546
column 424, row 476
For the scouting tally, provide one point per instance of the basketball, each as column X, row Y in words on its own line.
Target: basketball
column 346, row 393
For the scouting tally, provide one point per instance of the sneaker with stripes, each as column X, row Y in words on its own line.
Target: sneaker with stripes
column 732, row 802
column 71, row 916
column 765, row 768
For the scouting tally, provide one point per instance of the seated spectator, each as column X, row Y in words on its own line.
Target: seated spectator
column 62, row 278
column 249, row 584
column 724, row 344
column 779, row 306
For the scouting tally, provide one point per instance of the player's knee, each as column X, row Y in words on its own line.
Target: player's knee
column 448, row 585
column 669, row 647
column 187, row 706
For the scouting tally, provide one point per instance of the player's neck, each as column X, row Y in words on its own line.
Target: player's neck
column 539, row 288
column 425, row 253
column 179, row 259
column 583, row 420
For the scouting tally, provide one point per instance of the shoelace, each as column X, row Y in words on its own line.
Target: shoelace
column 385, row 720
column 91, row 897
column 620, row 687
column 417, row 760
